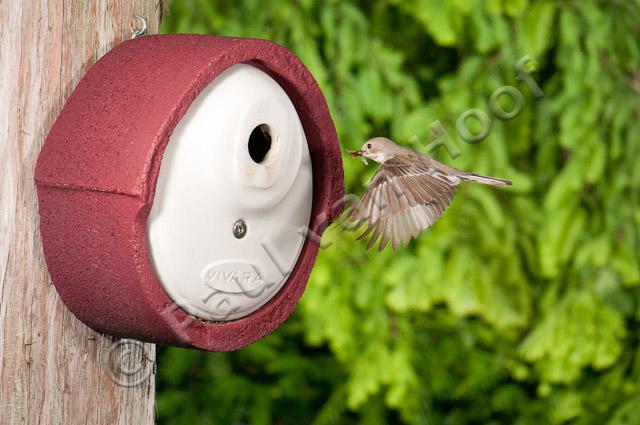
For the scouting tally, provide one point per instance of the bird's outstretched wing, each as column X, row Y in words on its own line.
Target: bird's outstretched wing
column 403, row 199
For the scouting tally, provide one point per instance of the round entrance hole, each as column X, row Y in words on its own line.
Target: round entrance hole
column 259, row 143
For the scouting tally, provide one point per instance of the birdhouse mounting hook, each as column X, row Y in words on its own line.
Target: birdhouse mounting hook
column 136, row 31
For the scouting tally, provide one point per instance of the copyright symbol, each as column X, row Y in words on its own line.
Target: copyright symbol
column 128, row 363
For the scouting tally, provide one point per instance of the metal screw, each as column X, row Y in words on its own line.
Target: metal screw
column 239, row 229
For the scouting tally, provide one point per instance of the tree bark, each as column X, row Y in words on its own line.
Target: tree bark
column 53, row 369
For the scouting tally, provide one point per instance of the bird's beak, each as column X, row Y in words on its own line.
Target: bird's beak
column 355, row 154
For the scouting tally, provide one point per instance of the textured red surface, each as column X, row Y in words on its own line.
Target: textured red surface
column 97, row 172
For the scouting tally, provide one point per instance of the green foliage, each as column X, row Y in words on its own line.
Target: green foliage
column 520, row 306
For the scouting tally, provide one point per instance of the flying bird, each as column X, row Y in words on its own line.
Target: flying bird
column 408, row 193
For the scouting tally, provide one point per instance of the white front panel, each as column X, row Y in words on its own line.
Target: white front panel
column 208, row 181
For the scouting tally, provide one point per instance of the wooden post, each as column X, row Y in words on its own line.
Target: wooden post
column 53, row 369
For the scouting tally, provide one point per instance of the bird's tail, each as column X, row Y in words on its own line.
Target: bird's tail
column 493, row 181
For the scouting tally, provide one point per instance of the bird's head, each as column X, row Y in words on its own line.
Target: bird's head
column 378, row 149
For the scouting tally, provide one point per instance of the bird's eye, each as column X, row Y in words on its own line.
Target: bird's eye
column 368, row 145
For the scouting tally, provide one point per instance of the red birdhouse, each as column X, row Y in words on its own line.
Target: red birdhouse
column 179, row 186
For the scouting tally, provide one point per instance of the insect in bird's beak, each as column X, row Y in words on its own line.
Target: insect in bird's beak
column 355, row 154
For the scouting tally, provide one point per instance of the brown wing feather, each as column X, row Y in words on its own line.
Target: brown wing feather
column 403, row 199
